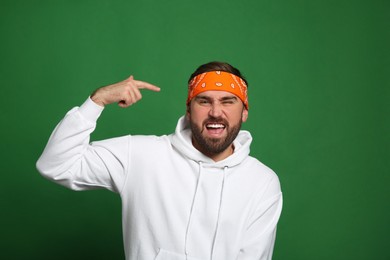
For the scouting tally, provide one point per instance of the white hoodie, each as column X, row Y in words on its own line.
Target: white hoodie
column 177, row 203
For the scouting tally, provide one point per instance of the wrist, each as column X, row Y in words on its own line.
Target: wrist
column 97, row 100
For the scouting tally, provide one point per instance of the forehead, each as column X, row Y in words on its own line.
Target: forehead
column 215, row 94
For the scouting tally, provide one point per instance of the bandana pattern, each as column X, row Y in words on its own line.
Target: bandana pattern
column 218, row 80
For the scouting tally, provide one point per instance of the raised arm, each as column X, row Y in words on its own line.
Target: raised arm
column 71, row 160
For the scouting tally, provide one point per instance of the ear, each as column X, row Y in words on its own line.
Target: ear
column 244, row 115
column 188, row 112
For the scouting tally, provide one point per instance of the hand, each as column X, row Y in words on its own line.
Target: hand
column 125, row 93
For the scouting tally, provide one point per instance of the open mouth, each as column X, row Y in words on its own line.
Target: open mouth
column 215, row 129
column 215, row 126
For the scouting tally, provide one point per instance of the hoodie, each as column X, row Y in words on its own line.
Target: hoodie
column 177, row 203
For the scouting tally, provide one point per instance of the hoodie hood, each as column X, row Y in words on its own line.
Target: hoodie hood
column 182, row 141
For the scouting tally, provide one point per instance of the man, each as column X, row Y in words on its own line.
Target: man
column 194, row 194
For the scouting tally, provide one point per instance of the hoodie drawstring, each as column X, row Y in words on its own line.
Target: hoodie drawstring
column 219, row 211
column 192, row 208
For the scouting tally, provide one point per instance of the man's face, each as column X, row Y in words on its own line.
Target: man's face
column 215, row 119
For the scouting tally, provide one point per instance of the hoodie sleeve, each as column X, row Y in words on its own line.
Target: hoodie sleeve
column 260, row 234
column 70, row 160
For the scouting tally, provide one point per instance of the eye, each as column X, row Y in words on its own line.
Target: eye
column 228, row 101
column 203, row 101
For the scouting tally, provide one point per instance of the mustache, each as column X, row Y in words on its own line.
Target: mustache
column 215, row 120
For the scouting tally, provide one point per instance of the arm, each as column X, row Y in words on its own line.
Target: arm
column 70, row 160
column 125, row 93
column 259, row 239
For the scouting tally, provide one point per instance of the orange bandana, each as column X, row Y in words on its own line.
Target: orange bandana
column 218, row 80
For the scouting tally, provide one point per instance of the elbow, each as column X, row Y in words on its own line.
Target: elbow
column 39, row 165
column 55, row 173
column 45, row 168
column 42, row 169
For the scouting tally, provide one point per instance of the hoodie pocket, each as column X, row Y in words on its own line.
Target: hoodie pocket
column 167, row 255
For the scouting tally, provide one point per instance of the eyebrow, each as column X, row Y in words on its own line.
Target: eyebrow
column 221, row 99
column 229, row 98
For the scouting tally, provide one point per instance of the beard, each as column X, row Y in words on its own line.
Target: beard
column 213, row 146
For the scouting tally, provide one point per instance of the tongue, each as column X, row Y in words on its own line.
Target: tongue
column 215, row 131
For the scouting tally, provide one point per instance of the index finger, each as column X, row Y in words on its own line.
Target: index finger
column 146, row 85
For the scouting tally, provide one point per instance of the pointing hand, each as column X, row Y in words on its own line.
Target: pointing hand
column 125, row 93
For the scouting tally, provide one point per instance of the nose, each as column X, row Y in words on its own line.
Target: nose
column 215, row 110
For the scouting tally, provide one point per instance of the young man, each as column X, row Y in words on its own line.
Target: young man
column 194, row 194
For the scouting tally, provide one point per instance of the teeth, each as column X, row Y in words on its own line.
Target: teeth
column 215, row 126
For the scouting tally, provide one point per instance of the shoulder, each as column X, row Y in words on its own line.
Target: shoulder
column 259, row 168
column 148, row 141
column 260, row 175
column 149, row 144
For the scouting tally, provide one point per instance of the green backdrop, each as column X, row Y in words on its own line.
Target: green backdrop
column 318, row 75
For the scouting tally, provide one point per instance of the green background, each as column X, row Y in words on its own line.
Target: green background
column 319, row 79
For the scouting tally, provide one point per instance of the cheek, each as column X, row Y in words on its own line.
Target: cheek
column 192, row 116
column 236, row 115
column 197, row 113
